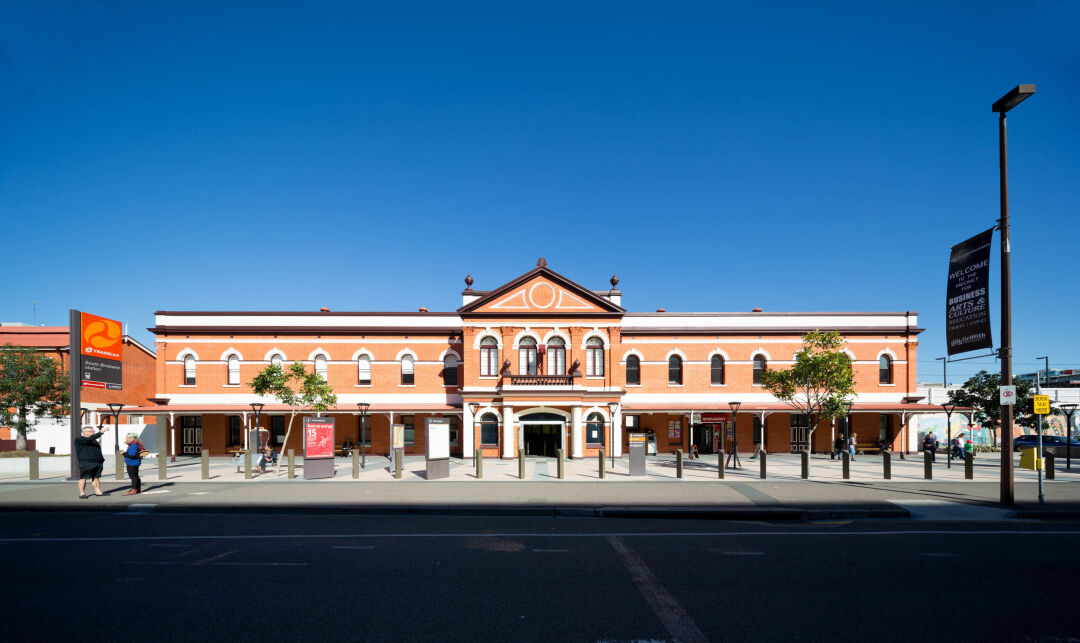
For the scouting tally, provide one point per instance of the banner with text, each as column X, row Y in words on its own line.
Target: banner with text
column 318, row 437
column 967, row 310
column 101, row 344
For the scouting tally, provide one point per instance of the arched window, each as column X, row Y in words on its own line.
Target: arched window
column 527, row 356
column 449, row 372
column 759, row 368
column 320, row 366
column 885, row 370
column 594, row 357
column 489, row 430
column 489, row 357
column 277, row 360
column 234, row 369
column 407, row 378
column 594, row 430
column 556, row 356
column 363, row 370
column 189, row 370
column 633, row 370
column 674, row 370
column 716, row 369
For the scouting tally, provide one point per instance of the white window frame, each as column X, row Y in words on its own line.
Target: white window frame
column 594, row 357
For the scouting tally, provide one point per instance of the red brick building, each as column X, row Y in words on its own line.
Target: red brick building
column 538, row 363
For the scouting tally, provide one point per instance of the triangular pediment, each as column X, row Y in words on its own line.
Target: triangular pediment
column 541, row 292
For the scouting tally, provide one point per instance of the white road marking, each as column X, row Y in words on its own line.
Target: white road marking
column 147, row 493
column 675, row 619
column 714, row 534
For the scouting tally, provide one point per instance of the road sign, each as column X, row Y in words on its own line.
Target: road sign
column 1007, row 395
column 1042, row 404
column 101, row 344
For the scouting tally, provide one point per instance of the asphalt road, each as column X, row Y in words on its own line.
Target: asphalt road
column 369, row 578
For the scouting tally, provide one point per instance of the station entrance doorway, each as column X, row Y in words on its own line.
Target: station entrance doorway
column 542, row 439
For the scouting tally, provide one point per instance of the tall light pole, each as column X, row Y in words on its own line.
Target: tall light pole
column 257, row 407
column 1001, row 106
column 363, row 408
column 473, row 406
column 1069, row 408
column 114, row 408
column 733, row 458
column 612, row 407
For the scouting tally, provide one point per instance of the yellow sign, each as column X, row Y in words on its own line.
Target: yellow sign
column 1042, row 404
column 398, row 437
column 1029, row 461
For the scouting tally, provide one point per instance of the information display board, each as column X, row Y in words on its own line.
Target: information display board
column 638, row 444
column 437, row 448
column 318, row 447
column 101, row 351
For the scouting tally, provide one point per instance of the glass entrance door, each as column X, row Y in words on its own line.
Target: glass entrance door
column 541, row 439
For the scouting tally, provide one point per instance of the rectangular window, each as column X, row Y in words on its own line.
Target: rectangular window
column 594, row 362
column 410, row 429
column 675, row 429
column 277, row 430
column 407, row 377
column 632, row 422
column 454, row 432
column 234, row 370
column 594, row 434
column 363, row 371
column 883, row 426
column 489, row 358
column 489, row 432
column 236, row 436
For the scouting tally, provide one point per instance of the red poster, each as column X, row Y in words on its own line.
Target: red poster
column 318, row 437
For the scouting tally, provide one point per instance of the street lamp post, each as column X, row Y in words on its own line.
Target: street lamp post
column 949, row 408
column 1069, row 408
column 363, row 408
column 612, row 407
column 1001, row 106
column 114, row 408
column 257, row 407
column 847, row 424
column 733, row 457
column 473, row 406
column 1039, row 448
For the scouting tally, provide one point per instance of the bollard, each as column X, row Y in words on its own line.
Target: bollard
column 355, row 464
column 764, row 457
column 559, row 453
column 846, row 458
column 969, row 465
column 886, row 465
column 479, row 464
column 1050, row 465
column 162, row 466
column 521, row 464
column 678, row 463
column 247, row 464
column 205, row 464
column 928, row 467
column 292, row 464
column 34, row 471
column 399, row 455
column 600, row 454
column 119, row 465
column 804, row 456
column 720, row 464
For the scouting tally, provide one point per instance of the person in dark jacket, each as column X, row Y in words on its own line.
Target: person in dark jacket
column 839, row 445
column 132, row 460
column 88, row 453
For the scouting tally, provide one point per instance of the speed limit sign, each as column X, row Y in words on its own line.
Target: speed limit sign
column 1008, row 395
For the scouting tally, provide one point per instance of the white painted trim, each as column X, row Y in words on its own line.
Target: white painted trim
column 318, row 351
column 848, row 351
column 312, row 338
column 674, row 351
column 343, row 399
column 766, row 322
column 177, row 323
column 540, row 409
column 721, row 353
column 603, row 411
column 632, row 351
column 230, row 351
column 595, row 333
column 402, row 353
column 761, row 351
column 362, row 351
column 184, row 353
column 736, row 340
column 736, row 396
column 449, row 351
column 487, row 333
column 887, row 351
column 274, row 351
column 525, row 333
column 561, row 335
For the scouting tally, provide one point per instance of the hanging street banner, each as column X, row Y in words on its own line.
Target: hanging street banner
column 101, row 349
column 967, row 310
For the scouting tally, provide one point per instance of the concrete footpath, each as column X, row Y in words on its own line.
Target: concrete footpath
column 742, row 494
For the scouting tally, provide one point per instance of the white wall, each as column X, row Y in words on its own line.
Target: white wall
column 51, row 432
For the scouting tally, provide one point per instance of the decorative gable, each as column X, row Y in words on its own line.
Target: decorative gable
column 541, row 292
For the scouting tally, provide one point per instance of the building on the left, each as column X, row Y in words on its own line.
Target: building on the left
column 137, row 388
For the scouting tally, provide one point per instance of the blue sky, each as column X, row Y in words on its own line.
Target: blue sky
column 286, row 156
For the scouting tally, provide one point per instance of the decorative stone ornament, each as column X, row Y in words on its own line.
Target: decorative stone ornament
column 541, row 263
column 468, row 281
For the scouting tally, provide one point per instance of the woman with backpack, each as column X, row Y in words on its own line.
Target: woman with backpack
column 133, row 458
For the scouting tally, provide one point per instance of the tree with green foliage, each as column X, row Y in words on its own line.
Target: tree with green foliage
column 295, row 387
column 982, row 393
column 819, row 384
column 32, row 385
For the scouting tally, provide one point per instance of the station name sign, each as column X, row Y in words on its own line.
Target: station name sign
column 967, row 306
column 101, row 349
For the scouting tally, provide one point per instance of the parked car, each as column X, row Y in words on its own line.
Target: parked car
column 1030, row 441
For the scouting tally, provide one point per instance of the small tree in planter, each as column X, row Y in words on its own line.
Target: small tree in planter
column 32, row 385
column 296, row 388
column 819, row 384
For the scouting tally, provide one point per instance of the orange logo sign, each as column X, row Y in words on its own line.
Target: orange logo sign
column 102, row 337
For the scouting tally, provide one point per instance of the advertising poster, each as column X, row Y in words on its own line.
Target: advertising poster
column 101, row 347
column 967, row 309
column 318, row 437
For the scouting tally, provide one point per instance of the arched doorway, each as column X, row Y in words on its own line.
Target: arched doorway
column 542, row 433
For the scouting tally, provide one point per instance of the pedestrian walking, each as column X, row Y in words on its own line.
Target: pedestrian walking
column 838, row 447
column 88, row 454
column 851, row 445
column 132, row 460
column 930, row 443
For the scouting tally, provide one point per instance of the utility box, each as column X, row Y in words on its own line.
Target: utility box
column 639, row 443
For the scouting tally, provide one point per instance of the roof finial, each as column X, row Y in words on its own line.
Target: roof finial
column 541, row 263
column 614, row 281
column 468, row 281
